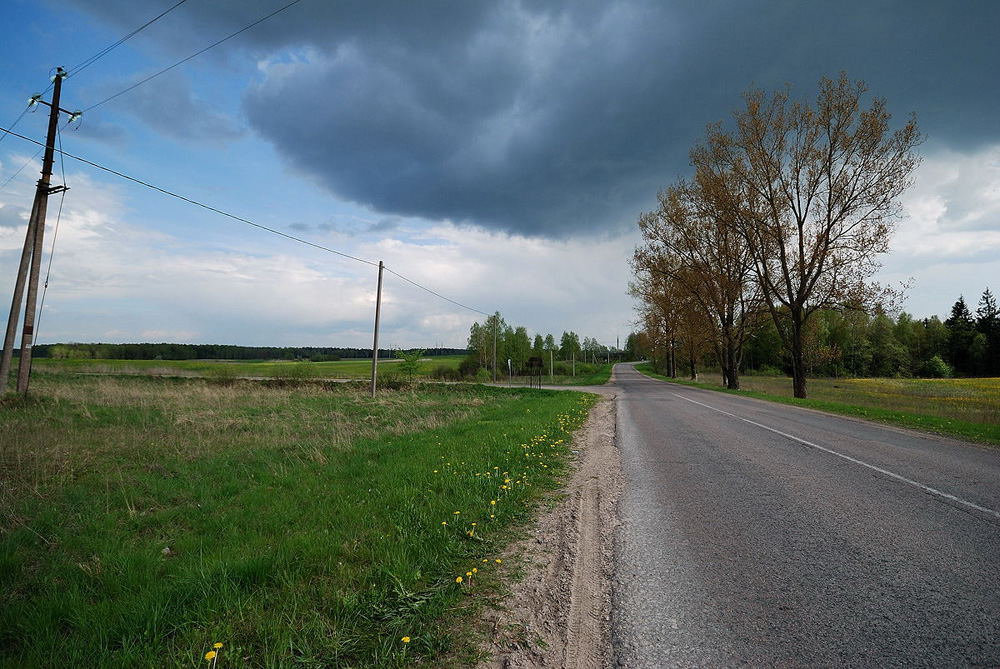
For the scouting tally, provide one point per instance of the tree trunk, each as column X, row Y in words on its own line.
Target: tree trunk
column 721, row 356
column 732, row 360
column 672, row 362
column 798, row 358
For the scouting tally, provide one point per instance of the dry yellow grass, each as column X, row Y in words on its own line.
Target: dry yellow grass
column 974, row 400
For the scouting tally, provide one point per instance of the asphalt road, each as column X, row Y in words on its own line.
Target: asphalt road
column 759, row 534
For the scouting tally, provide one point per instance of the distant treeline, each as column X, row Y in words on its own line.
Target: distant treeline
column 214, row 352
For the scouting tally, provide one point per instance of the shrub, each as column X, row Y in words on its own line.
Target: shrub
column 446, row 373
column 483, row 375
column 936, row 368
column 469, row 366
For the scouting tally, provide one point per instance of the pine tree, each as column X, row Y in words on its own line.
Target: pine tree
column 961, row 332
column 988, row 324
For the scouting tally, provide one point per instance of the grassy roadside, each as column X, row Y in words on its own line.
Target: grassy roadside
column 863, row 405
column 145, row 519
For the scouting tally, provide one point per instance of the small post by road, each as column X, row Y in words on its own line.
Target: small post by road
column 378, row 310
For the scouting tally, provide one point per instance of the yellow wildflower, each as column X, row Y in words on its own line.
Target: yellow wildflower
column 217, row 645
column 210, row 655
column 406, row 639
column 458, row 580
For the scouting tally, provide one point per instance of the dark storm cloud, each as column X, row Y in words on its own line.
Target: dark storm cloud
column 560, row 119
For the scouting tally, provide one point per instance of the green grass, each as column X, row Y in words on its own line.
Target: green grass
column 340, row 369
column 304, row 520
column 590, row 375
column 964, row 408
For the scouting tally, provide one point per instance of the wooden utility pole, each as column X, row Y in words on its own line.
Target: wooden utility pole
column 31, row 254
column 378, row 310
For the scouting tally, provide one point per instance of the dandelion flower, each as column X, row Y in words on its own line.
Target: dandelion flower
column 217, row 645
column 458, row 580
column 456, row 513
column 493, row 502
column 475, row 570
column 406, row 639
column 498, row 561
column 444, row 522
column 485, row 560
column 210, row 655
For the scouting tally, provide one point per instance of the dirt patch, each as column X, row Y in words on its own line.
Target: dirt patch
column 559, row 614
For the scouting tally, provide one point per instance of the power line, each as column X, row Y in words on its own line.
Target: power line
column 196, row 202
column 21, row 168
column 14, row 124
column 249, row 222
column 28, row 161
column 194, row 55
column 76, row 69
column 111, row 47
column 436, row 294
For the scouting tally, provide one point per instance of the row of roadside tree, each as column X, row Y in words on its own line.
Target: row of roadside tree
column 851, row 343
column 783, row 219
column 493, row 342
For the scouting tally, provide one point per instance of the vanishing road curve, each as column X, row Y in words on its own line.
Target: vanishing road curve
column 761, row 534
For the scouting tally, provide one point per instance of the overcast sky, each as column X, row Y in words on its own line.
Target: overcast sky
column 498, row 153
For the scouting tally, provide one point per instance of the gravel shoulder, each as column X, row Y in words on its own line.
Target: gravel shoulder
column 558, row 614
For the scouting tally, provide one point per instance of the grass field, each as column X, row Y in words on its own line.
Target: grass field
column 281, row 369
column 143, row 519
column 284, row 369
column 965, row 408
column 591, row 375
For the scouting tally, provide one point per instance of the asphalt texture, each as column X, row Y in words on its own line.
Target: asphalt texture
column 743, row 546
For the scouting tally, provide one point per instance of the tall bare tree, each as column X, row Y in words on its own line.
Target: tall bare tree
column 813, row 190
column 690, row 240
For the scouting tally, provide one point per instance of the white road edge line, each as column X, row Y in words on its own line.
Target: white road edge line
column 886, row 472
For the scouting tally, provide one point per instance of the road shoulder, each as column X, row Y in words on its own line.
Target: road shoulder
column 558, row 614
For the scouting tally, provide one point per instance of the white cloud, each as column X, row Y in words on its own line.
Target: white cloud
column 116, row 279
column 954, row 206
column 949, row 243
